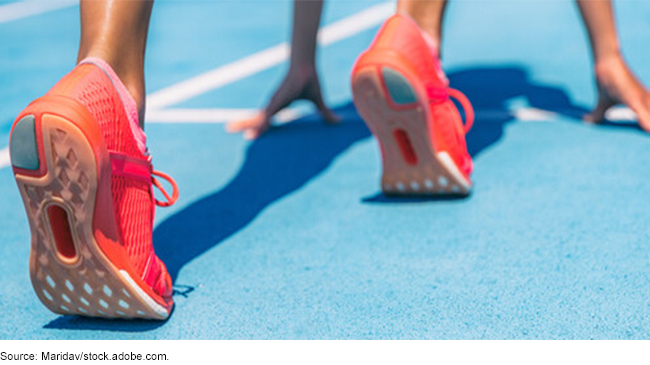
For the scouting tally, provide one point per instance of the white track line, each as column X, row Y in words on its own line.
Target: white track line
column 620, row 113
column 24, row 9
column 179, row 115
column 533, row 114
column 616, row 114
column 213, row 115
column 4, row 158
column 264, row 60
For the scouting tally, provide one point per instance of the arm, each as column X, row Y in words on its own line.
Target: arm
column 301, row 81
column 615, row 80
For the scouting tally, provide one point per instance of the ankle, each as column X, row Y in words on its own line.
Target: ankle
column 139, row 96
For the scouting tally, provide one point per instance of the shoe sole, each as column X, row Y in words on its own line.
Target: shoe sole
column 56, row 169
column 397, row 114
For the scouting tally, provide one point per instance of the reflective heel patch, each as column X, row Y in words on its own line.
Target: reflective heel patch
column 398, row 87
column 23, row 148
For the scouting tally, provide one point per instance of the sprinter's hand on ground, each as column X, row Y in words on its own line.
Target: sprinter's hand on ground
column 618, row 84
column 301, row 83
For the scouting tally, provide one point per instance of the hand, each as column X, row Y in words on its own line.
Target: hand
column 300, row 83
column 617, row 84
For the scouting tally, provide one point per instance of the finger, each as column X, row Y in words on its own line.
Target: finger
column 326, row 112
column 282, row 98
column 250, row 134
column 248, row 123
column 642, row 110
column 256, row 132
column 598, row 113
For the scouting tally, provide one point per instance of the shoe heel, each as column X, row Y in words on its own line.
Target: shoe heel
column 59, row 205
column 390, row 107
column 397, row 113
column 70, row 273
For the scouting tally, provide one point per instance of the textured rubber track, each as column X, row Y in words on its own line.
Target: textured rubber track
column 86, row 284
column 402, row 130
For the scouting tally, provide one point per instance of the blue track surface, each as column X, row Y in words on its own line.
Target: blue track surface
column 289, row 237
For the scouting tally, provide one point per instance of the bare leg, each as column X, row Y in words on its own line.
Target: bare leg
column 428, row 14
column 301, row 81
column 616, row 82
column 116, row 31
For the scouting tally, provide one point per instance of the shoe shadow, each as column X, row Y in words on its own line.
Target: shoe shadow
column 288, row 157
column 280, row 162
column 492, row 90
column 99, row 324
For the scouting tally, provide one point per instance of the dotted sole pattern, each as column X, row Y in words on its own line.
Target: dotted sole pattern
column 434, row 173
column 88, row 284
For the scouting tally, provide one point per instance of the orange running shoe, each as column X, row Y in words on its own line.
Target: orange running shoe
column 81, row 165
column 402, row 94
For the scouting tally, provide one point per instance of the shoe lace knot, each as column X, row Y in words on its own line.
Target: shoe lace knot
column 142, row 170
column 438, row 95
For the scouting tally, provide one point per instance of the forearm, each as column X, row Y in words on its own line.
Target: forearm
column 306, row 20
column 598, row 17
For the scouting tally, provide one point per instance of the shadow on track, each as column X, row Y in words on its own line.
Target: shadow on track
column 288, row 157
column 279, row 163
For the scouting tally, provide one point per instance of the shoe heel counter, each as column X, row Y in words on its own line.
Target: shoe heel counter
column 67, row 84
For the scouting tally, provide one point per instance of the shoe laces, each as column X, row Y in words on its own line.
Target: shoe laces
column 437, row 95
column 170, row 200
column 467, row 107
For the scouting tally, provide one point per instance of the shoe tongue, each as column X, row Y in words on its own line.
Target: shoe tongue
column 129, row 104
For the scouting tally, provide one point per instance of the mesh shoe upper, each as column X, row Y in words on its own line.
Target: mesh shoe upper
column 133, row 200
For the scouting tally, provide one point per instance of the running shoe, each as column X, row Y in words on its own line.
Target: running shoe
column 86, row 180
column 403, row 96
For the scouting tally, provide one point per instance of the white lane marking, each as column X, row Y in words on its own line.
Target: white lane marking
column 24, row 9
column 356, row 23
column 214, row 115
column 4, row 158
column 224, row 115
column 218, row 77
column 264, row 60
column 620, row 114
column 533, row 114
column 616, row 114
